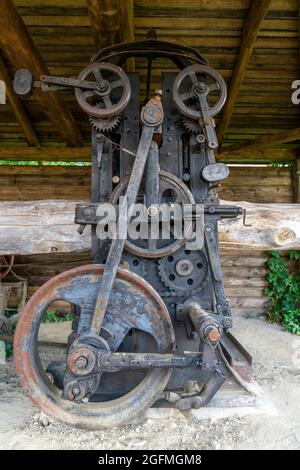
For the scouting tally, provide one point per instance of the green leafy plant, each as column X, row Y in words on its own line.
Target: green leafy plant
column 50, row 316
column 283, row 292
column 54, row 317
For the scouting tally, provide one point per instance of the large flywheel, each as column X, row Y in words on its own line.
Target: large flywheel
column 135, row 309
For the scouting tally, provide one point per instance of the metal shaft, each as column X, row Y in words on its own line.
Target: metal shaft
column 117, row 244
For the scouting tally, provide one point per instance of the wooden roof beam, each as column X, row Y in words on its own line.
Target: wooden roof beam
column 127, row 27
column 104, row 17
column 282, row 137
column 17, row 107
column 19, row 48
column 251, row 29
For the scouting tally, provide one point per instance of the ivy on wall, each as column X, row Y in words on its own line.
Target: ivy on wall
column 283, row 292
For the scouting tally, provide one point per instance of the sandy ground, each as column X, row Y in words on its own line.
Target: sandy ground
column 277, row 369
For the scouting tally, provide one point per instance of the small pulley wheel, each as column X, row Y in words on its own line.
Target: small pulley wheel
column 112, row 93
column 196, row 81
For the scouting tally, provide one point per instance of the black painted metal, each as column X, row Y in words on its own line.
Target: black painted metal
column 161, row 154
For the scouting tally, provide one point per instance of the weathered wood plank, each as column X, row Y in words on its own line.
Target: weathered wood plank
column 47, row 226
column 104, row 22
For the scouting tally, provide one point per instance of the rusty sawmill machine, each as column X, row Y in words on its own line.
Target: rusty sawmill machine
column 151, row 321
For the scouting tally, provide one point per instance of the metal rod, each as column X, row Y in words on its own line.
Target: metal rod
column 117, row 244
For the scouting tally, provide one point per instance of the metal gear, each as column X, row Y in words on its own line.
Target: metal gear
column 178, row 279
column 105, row 125
column 191, row 125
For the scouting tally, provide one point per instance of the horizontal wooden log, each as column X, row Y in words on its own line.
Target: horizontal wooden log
column 48, row 226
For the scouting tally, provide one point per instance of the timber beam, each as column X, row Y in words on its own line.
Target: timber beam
column 127, row 27
column 33, row 227
column 251, row 29
column 282, row 137
column 19, row 48
column 104, row 22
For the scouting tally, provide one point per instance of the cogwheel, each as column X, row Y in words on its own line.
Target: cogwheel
column 105, row 125
column 191, row 125
column 183, row 271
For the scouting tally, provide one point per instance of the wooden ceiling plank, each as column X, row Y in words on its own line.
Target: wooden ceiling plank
column 127, row 27
column 21, row 51
column 17, row 107
column 104, row 22
column 251, row 28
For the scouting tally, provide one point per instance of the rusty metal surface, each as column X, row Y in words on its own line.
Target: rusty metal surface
column 146, row 311
column 122, row 345
column 183, row 195
column 104, row 96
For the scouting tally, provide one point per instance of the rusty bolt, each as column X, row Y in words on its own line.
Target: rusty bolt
column 214, row 334
column 76, row 391
column 81, row 362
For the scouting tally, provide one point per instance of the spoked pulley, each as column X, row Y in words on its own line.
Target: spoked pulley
column 196, row 81
column 171, row 191
column 135, row 308
column 111, row 94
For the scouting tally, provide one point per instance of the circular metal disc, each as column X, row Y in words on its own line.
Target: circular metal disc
column 134, row 304
column 191, row 72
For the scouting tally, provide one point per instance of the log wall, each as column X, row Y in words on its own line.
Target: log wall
column 244, row 272
column 244, row 275
column 24, row 183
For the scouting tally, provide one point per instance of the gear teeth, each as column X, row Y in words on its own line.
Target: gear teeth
column 162, row 278
column 105, row 125
column 191, row 125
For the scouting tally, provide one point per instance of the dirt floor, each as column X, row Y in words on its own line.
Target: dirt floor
column 277, row 369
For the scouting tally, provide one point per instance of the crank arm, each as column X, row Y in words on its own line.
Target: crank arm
column 111, row 362
column 151, row 116
column 208, row 124
column 51, row 83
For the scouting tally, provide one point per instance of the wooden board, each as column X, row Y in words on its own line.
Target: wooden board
column 62, row 33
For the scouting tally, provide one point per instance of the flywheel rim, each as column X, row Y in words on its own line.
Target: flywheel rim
column 48, row 398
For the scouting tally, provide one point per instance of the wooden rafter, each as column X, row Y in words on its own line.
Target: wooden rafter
column 251, row 28
column 282, row 137
column 18, row 46
column 127, row 27
column 17, row 107
column 104, row 22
